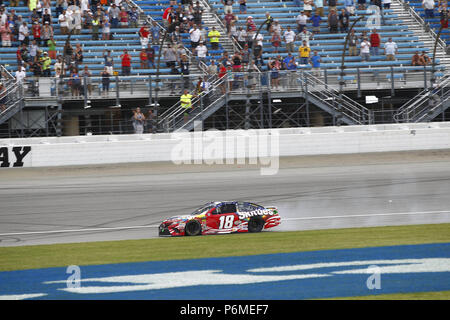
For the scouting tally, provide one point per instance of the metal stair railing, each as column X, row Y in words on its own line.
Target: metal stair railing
column 420, row 104
column 335, row 100
column 13, row 95
column 173, row 118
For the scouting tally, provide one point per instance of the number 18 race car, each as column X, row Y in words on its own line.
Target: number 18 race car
column 222, row 217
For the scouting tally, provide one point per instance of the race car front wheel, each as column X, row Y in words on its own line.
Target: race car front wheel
column 256, row 224
column 193, row 228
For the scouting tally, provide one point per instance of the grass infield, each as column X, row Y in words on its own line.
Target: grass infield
column 106, row 252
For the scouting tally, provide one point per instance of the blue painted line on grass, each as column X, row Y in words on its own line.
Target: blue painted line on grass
column 300, row 275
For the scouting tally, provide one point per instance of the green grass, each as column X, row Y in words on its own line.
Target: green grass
column 438, row 295
column 91, row 253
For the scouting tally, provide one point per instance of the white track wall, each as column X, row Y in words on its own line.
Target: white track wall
column 94, row 150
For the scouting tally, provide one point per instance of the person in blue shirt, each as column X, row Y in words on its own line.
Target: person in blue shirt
column 315, row 19
column 291, row 65
column 315, row 63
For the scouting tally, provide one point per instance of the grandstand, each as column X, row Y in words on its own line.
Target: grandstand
column 330, row 98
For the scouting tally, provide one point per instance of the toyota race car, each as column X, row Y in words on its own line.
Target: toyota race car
column 222, row 217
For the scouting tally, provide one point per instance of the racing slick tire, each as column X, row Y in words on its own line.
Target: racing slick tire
column 193, row 228
column 255, row 224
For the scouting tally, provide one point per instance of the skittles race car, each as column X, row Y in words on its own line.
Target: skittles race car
column 222, row 217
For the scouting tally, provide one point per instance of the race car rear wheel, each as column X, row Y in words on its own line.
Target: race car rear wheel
column 193, row 228
column 255, row 224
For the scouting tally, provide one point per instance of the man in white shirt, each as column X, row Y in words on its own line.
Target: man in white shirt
column 20, row 74
column 201, row 51
column 289, row 37
column 195, row 36
column 365, row 50
column 428, row 5
column 305, row 36
column 301, row 19
column 62, row 19
column 390, row 49
column 24, row 34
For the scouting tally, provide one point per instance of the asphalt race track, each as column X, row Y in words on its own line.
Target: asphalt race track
column 59, row 205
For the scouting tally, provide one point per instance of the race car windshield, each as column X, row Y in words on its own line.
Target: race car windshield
column 203, row 208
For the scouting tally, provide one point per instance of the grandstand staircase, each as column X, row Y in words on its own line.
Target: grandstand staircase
column 314, row 91
column 427, row 105
column 15, row 102
column 417, row 25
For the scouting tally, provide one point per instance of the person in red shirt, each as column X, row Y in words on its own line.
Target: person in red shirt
column 36, row 30
column 126, row 63
column 144, row 34
column 144, row 59
column 221, row 75
column 375, row 41
column 167, row 16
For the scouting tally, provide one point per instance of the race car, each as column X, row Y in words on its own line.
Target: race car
column 222, row 217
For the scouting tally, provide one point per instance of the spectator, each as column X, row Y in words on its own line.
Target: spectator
column 386, row 4
column 375, row 42
column 75, row 83
column 307, row 7
column 319, row 7
column 241, row 37
column 365, row 50
column 390, row 49
column 63, row 22
column 195, row 36
column 268, row 22
column 428, row 6
column 344, row 20
column 144, row 34
column 444, row 15
column 201, row 52
column 138, row 120
column 237, row 62
column 186, row 104
column 274, row 67
column 47, row 33
column 68, row 53
column 24, row 34
column 6, row 34
column 150, row 56
column 212, row 70
column 197, row 13
column 20, row 75
column 316, row 19
column 123, row 18
column 276, row 41
column 155, row 32
column 332, row 5
column 242, row 6
column 167, row 19
column 95, row 27
column 47, row 17
column 306, row 36
column 106, row 29
column 289, row 38
column 109, row 61
column 184, row 70
column 228, row 5
column 36, row 31
column 361, row 4
column 59, row 67
column 315, row 63
column 352, row 43
column 105, row 81
column 333, row 21
column 214, row 38
column 229, row 18
column 126, row 63
column 46, row 63
column 350, row 7
column 301, row 20
column 133, row 17
column 291, row 65
column 304, row 51
column 113, row 13
column 170, row 56
column 150, row 122
column 276, row 28
column 424, row 59
column 33, row 49
column 87, row 80
column 222, row 73
column 415, row 61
